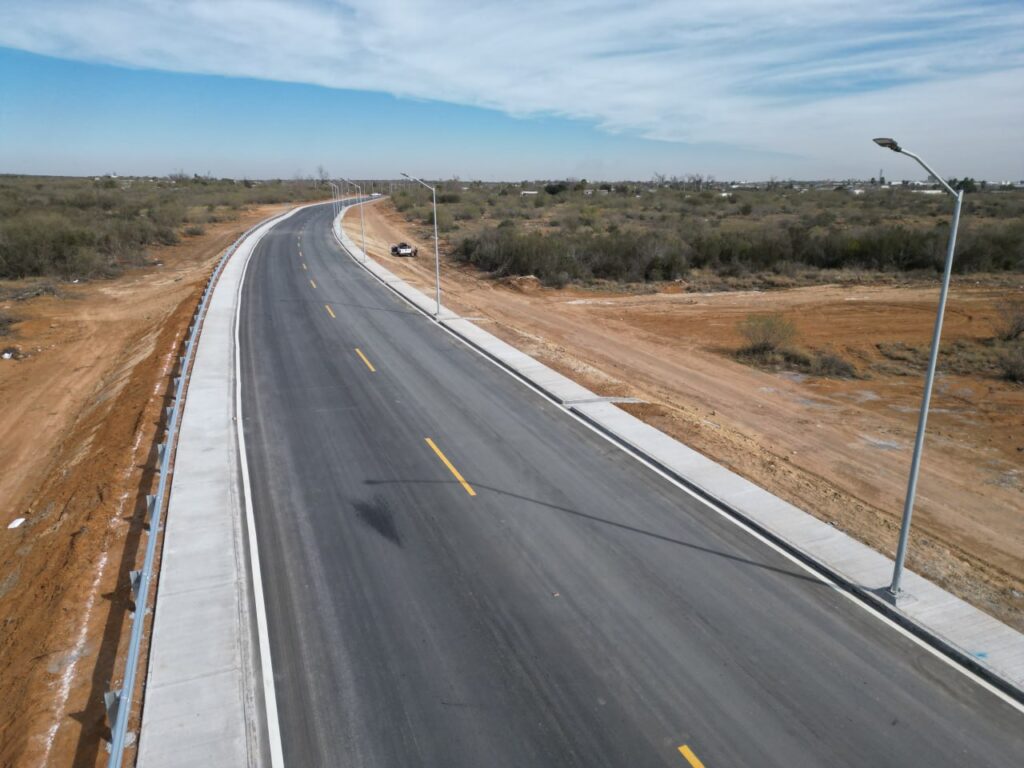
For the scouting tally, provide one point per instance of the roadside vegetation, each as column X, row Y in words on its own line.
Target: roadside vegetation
column 717, row 236
column 708, row 236
column 769, row 342
column 78, row 228
column 6, row 321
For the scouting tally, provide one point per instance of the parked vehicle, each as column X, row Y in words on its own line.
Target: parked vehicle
column 404, row 249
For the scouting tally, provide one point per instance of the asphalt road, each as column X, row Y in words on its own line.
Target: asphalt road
column 575, row 609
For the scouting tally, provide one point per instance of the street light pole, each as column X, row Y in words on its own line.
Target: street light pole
column 922, row 421
column 437, row 254
column 334, row 199
column 362, row 227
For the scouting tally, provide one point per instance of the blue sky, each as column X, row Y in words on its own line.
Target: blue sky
column 599, row 89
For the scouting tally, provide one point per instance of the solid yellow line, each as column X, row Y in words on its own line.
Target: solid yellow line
column 368, row 363
column 691, row 758
column 329, row 310
column 312, row 282
column 451, row 468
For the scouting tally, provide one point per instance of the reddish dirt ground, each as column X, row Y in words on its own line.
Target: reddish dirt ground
column 838, row 448
column 79, row 423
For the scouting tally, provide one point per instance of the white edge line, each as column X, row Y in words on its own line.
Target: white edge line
column 706, row 502
column 267, row 667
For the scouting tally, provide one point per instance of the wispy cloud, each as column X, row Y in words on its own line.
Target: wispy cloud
column 797, row 76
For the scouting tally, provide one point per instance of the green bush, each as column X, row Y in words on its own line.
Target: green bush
column 581, row 256
column 40, row 243
column 74, row 227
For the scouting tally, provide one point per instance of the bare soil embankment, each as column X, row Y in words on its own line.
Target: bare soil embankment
column 838, row 448
column 82, row 400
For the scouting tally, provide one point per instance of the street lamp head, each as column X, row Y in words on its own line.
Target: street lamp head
column 406, row 175
column 889, row 144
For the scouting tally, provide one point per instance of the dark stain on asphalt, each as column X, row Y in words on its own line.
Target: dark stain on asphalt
column 377, row 515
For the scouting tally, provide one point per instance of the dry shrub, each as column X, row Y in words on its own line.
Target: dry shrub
column 1011, row 363
column 1010, row 323
column 765, row 334
column 6, row 321
column 831, row 365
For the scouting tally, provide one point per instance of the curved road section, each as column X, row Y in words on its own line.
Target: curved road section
column 457, row 573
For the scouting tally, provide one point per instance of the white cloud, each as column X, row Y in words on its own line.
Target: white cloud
column 813, row 79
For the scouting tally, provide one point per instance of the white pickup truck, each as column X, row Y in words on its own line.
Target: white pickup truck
column 403, row 249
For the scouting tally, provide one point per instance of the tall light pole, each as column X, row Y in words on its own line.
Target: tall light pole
column 362, row 227
column 334, row 199
column 915, row 463
column 437, row 254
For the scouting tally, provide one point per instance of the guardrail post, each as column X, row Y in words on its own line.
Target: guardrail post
column 134, row 579
column 160, row 450
column 150, row 508
column 112, row 700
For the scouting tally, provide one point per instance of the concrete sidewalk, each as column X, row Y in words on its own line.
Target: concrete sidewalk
column 987, row 647
column 204, row 699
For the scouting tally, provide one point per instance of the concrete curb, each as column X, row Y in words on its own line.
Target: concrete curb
column 977, row 642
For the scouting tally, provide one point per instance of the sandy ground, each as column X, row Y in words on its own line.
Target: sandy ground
column 839, row 449
column 77, row 432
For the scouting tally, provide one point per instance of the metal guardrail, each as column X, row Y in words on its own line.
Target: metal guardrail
column 119, row 701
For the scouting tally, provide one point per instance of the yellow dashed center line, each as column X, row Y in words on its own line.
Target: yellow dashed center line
column 329, row 310
column 312, row 282
column 363, row 358
column 451, row 467
column 691, row 758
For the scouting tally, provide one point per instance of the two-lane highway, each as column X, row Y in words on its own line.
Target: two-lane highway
column 459, row 574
